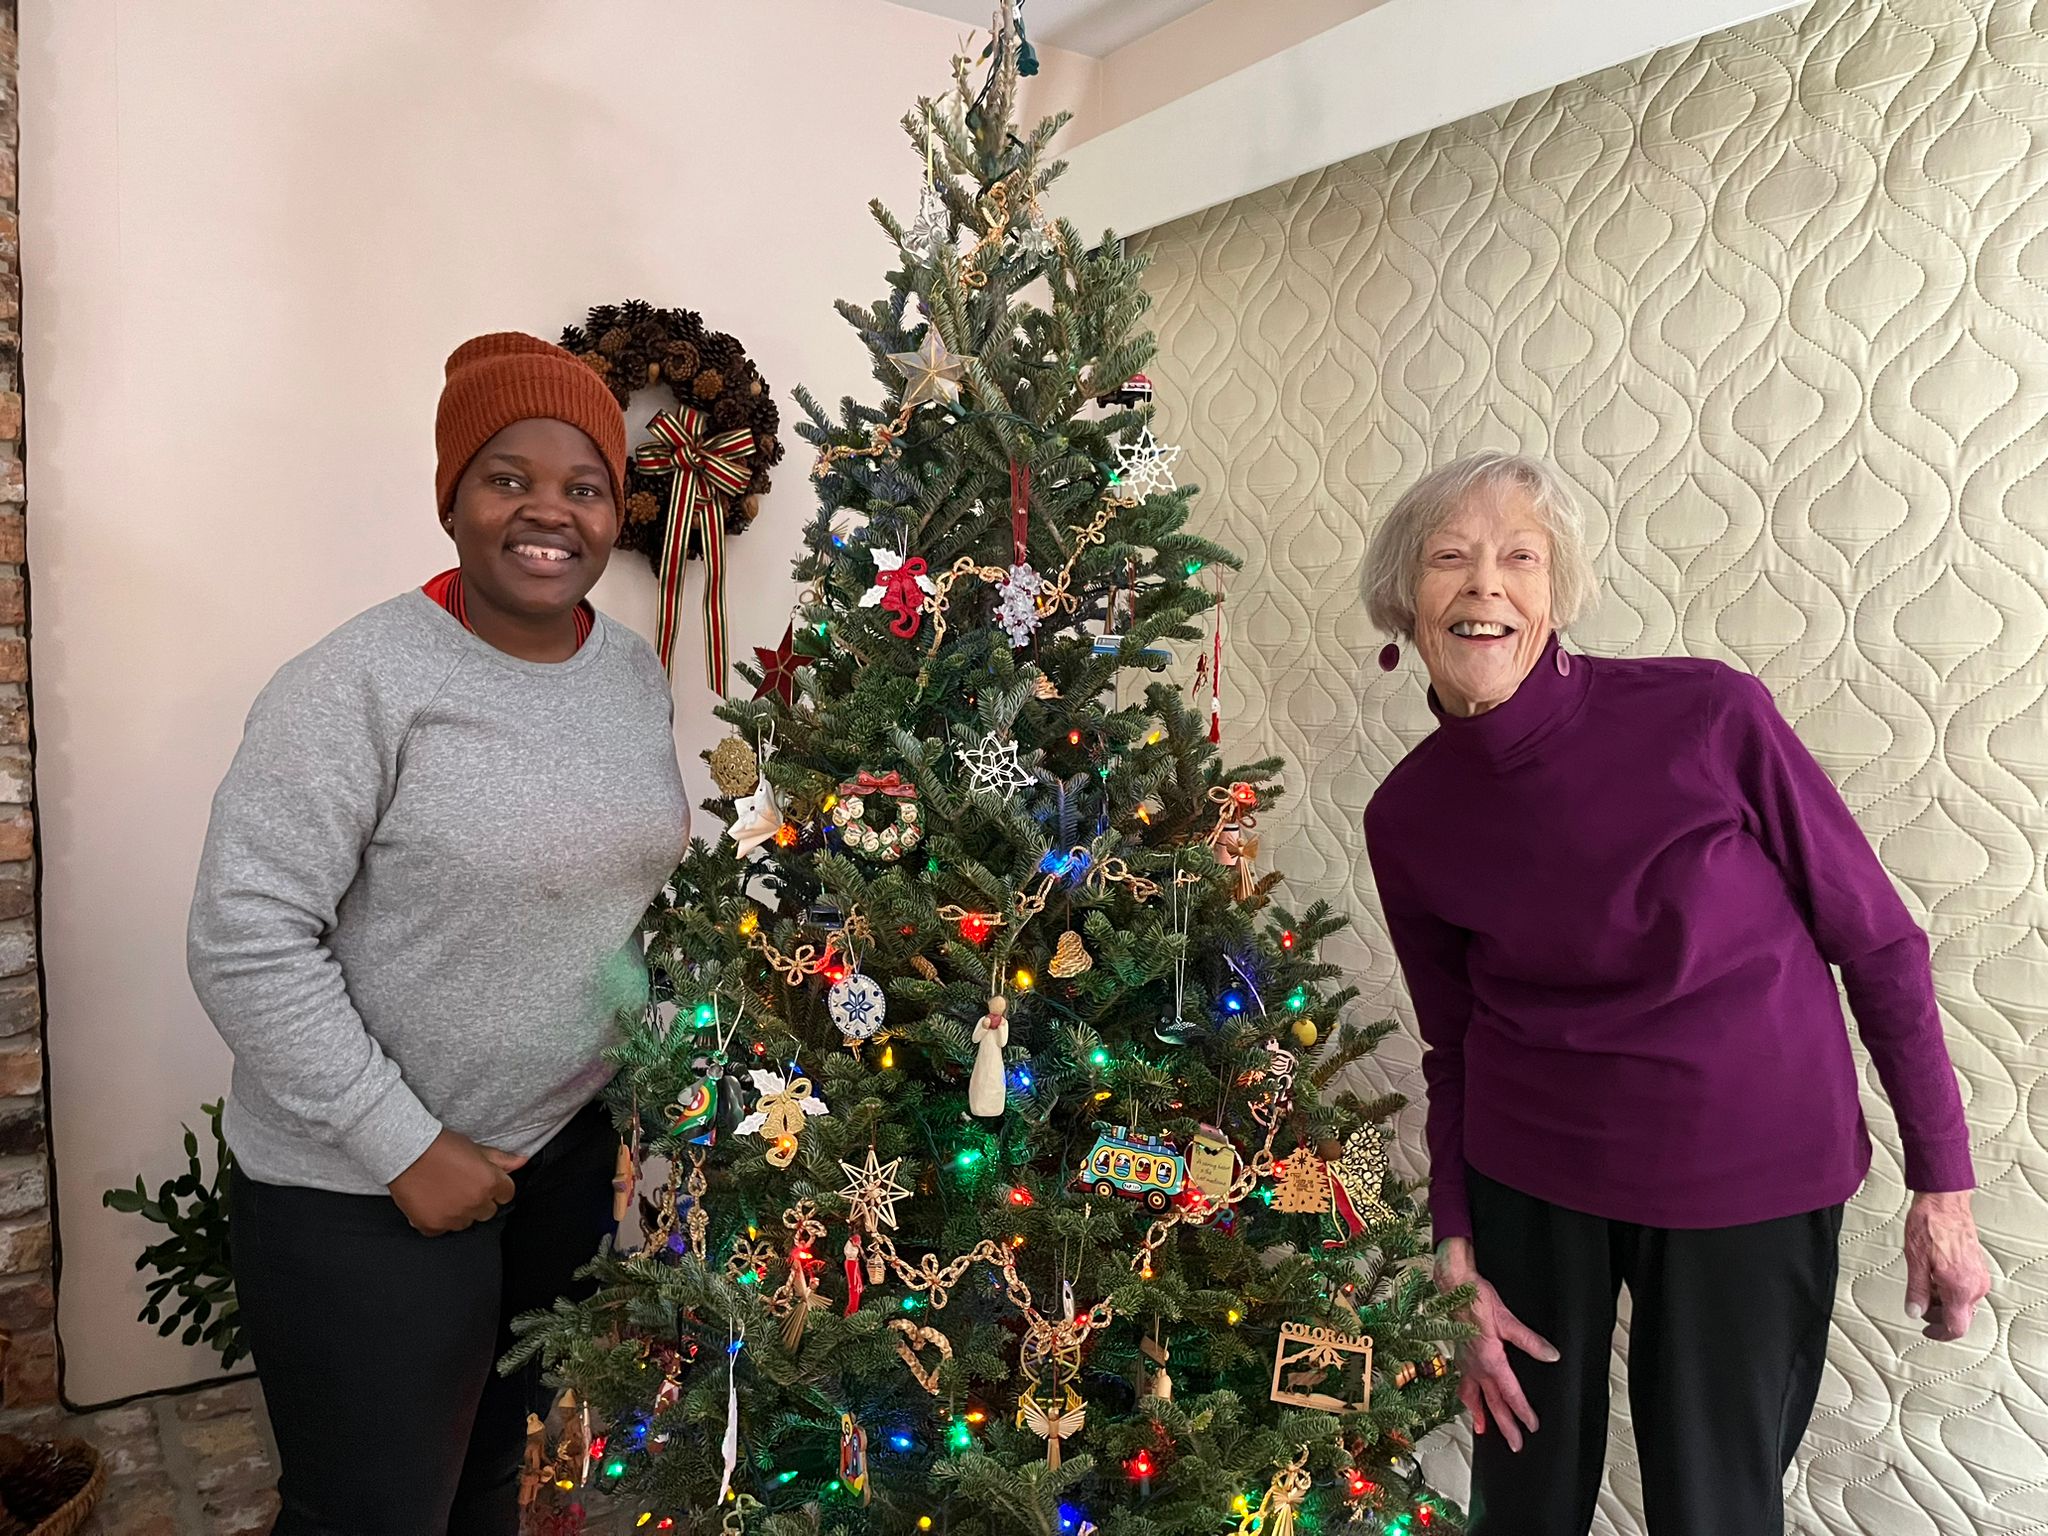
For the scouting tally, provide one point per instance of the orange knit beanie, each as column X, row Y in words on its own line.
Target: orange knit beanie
column 507, row 376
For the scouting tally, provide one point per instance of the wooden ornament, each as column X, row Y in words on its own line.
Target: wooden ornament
column 1304, row 1361
column 1304, row 1188
column 1070, row 956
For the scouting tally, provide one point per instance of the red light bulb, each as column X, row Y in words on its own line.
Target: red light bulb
column 1287, row 939
column 1141, row 1464
column 1019, row 1195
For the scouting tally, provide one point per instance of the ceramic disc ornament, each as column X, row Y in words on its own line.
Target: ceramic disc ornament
column 857, row 1006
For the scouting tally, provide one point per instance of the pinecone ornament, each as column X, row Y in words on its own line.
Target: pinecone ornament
column 1070, row 956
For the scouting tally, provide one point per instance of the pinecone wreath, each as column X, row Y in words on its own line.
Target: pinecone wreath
column 634, row 346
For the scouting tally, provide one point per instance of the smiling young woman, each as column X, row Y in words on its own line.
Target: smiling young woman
column 414, row 927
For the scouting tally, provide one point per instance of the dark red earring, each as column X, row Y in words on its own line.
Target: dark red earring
column 1390, row 657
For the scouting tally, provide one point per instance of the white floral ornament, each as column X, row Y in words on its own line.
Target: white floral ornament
column 1018, row 615
column 993, row 767
column 1145, row 467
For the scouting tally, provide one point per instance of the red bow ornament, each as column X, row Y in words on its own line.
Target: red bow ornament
column 707, row 470
column 902, row 588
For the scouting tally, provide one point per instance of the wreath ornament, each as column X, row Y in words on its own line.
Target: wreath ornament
column 701, row 476
column 850, row 815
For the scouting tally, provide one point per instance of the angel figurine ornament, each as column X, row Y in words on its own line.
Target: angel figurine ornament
column 985, row 1089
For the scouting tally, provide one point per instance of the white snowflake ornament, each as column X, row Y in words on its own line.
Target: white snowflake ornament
column 1018, row 613
column 993, row 767
column 1145, row 467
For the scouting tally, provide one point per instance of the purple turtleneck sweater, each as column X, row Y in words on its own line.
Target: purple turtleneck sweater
column 1616, row 898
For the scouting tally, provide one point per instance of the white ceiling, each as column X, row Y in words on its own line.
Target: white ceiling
column 1093, row 27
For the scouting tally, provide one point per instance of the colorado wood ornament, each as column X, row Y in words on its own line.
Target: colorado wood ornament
column 1307, row 1362
column 779, row 1114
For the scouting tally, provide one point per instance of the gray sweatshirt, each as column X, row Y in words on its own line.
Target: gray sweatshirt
column 418, row 898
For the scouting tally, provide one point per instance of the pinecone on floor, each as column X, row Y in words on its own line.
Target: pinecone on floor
column 36, row 1480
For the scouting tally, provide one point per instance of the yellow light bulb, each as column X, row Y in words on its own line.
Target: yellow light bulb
column 1233, row 1317
column 1016, row 1239
column 749, row 923
column 924, row 1522
column 830, row 801
column 888, row 1057
column 1240, row 1504
column 753, row 1231
column 1102, row 1095
column 1024, row 980
column 645, row 1517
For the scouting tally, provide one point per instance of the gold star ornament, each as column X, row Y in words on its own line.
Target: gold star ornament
column 931, row 372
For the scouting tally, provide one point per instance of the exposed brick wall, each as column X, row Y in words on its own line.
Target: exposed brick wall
column 27, row 1300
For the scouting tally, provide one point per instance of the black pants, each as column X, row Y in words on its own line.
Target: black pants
column 377, row 1347
column 1727, row 1336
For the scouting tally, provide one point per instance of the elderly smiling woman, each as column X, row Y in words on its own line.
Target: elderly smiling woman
column 1616, row 890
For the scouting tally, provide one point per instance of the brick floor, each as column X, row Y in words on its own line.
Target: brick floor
column 194, row 1464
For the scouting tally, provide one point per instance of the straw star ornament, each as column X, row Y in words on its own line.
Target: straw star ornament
column 931, row 372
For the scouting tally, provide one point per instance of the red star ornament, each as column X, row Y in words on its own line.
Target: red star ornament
column 779, row 668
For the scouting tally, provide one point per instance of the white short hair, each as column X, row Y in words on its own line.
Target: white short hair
column 1393, row 562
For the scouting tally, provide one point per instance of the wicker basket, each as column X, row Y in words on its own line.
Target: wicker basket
column 81, row 1479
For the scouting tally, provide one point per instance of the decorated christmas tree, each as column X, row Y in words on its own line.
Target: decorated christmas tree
column 995, row 1171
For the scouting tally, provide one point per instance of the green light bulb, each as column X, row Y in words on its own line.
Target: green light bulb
column 968, row 1157
column 786, row 1477
column 1298, row 999
column 1098, row 1057
column 705, row 1015
column 615, row 1469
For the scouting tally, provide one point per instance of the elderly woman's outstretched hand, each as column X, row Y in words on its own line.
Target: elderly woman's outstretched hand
column 1487, row 1384
column 1946, row 1273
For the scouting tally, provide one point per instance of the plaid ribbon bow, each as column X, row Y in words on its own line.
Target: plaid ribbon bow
column 706, row 472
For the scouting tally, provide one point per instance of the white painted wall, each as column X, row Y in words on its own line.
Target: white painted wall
column 249, row 243
column 1403, row 67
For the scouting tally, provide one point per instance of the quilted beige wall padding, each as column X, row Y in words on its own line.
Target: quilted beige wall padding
column 1776, row 302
